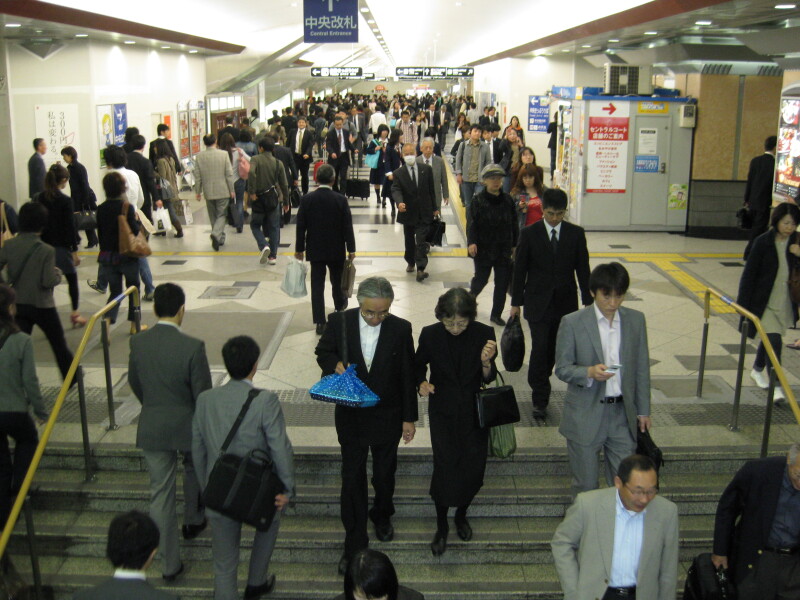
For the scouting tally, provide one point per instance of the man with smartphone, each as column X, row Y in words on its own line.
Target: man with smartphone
column 608, row 398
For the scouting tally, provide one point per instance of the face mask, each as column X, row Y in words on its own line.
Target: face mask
column 409, row 159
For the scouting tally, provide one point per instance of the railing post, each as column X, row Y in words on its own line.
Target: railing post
column 104, row 336
column 737, row 395
column 87, row 449
column 37, row 573
column 703, row 348
column 768, row 414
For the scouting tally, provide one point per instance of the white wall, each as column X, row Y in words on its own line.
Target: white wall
column 88, row 74
column 514, row 79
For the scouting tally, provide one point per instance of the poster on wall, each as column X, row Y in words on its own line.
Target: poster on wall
column 607, row 151
column 57, row 124
column 787, row 157
column 538, row 113
column 105, row 129
column 197, row 129
column 678, row 195
column 183, row 133
column 120, row 123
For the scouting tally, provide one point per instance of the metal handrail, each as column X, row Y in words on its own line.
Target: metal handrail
column 777, row 369
column 51, row 422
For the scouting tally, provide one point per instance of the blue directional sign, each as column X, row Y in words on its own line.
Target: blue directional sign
column 330, row 21
column 538, row 113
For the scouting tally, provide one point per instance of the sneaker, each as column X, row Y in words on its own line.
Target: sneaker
column 93, row 284
column 272, row 261
column 264, row 255
column 149, row 296
column 779, row 396
column 761, row 378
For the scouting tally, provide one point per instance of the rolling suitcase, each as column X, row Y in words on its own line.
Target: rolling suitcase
column 357, row 188
column 705, row 582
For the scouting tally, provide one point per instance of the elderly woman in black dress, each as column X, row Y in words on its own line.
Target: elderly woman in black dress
column 460, row 352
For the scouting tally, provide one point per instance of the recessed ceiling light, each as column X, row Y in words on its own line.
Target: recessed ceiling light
column 458, row 3
column 380, row 37
column 38, row 31
column 81, row 35
column 11, row 25
column 565, row 50
column 586, row 46
column 651, row 33
column 165, row 47
column 130, row 42
column 192, row 51
column 371, row 22
column 365, row 9
column 778, row 6
column 614, row 41
column 702, row 22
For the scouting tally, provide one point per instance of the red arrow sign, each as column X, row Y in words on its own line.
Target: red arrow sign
column 610, row 108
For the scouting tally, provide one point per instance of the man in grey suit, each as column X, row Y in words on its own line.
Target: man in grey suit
column 601, row 352
column 214, row 179
column 167, row 371
column 132, row 546
column 621, row 542
column 262, row 428
column 440, row 186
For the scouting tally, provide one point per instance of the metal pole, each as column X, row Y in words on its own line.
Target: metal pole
column 87, row 449
column 768, row 414
column 37, row 574
column 104, row 336
column 703, row 347
column 737, row 395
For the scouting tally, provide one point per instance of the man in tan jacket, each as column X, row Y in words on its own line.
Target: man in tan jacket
column 214, row 179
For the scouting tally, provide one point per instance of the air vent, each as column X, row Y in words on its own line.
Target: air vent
column 770, row 71
column 626, row 79
column 716, row 69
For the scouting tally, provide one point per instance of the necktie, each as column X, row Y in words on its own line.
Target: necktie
column 554, row 240
column 341, row 141
column 428, row 161
column 413, row 175
column 299, row 139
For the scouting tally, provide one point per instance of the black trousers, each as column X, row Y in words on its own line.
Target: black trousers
column 340, row 165
column 502, row 274
column 761, row 354
column 543, row 356
column 355, row 497
column 775, row 577
column 416, row 246
column 48, row 321
column 318, row 271
column 613, row 594
column 302, row 166
column 19, row 426
column 760, row 225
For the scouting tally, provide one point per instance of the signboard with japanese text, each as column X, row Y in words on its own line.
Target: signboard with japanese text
column 344, row 72
column 406, row 73
column 787, row 158
column 120, row 123
column 57, row 124
column 648, row 107
column 183, row 133
column 645, row 163
column 538, row 113
column 330, row 21
column 197, row 129
column 607, row 148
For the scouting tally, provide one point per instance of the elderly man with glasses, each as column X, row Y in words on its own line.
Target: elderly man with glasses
column 380, row 346
column 621, row 542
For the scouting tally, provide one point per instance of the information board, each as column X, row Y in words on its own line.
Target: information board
column 330, row 21
column 607, row 148
column 538, row 113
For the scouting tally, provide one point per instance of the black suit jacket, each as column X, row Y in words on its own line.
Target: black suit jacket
column 420, row 199
column 286, row 156
column 391, row 378
column 228, row 129
column 147, row 175
column 758, row 192
column 751, row 498
column 289, row 123
column 324, row 226
column 542, row 281
column 306, row 144
column 153, row 159
column 332, row 147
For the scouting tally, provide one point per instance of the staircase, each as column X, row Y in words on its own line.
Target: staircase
column 514, row 516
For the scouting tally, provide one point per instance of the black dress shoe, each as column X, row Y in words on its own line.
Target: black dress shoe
column 214, row 243
column 384, row 531
column 497, row 320
column 463, row 529
column 343, row 564
column 439, row 543
column 320, row 328
column 256, row 591
column 192, row 531
column 539, row 412
column 175, row 575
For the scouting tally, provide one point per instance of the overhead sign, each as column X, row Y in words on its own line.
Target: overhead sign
column 344, row 72
column 538, row 114
column 434, row 72
column 330, row 21
column 365, row 76
column 607, row 153
column 461, row 71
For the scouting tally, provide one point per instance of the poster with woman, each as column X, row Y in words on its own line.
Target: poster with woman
column 787, row 157
column 105, row 129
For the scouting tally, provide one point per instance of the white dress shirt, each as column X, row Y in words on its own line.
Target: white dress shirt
column 610, row 339
column 550, row 230
column 129, row 574
column 369, row 339
column 299, row 141
column 628, row 537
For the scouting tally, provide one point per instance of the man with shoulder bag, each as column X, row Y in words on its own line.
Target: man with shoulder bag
column 267, row 187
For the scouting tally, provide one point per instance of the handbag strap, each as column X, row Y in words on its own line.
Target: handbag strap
column 251, row 394
column 13, row 280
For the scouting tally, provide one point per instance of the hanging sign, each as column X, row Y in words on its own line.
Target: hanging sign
column 330, row 21
column 607, row 152
column 538, row 114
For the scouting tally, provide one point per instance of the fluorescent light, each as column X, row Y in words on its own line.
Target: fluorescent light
column 778, row 6
column 165, row 47
column 614, row 41
column 81, row 35
column 12, row 25
column 130, row 42
column 651, row 33
column 565, row 50
column 702, row 22
column 365, row 9
column 586, row 46
column 192, row 51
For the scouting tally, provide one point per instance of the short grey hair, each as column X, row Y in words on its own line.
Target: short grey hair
column 326, row 174
column 794, row 452
column 374, row 287
column 428, row 139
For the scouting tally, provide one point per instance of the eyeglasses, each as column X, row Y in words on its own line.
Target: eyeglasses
column 640, row 493
column 368, row 314
column 455, row 324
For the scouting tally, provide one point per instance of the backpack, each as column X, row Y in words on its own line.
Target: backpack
column 243, row 166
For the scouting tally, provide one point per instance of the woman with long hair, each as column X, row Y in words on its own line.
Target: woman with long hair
column 514, row 124
column 461, row 121
column 166, row 170
column 393, row 157
column 377, row 145
column 83, row 197
column 527, row 195
column 60, row 232
column 526, row 157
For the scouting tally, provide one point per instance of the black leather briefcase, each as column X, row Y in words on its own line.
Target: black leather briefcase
column 497, row 405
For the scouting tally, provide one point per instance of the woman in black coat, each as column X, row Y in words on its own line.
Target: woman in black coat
column 393, row 160
column 763, row 289
column 460, row 352
column 83, row 197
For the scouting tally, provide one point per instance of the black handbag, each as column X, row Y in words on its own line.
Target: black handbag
column 85, row 220
column 706, row 582
column 745, row 218
column 512, row 345
column 436, row 231
column 647, row 447
column 243, row 488
column 497, row 405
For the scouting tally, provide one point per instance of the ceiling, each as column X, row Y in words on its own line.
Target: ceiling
column 247, row 44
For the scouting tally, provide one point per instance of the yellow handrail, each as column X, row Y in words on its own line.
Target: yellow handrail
column 51, row 422
column 779, row 372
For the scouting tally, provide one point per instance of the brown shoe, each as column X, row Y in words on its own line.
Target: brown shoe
column 410, row 268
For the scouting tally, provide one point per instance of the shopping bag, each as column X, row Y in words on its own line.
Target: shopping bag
column 512, row 345
column 294, row 281
column 345, row 389
column 187, row 212
column 348, row 278
column 161, row 220
column 502, row 441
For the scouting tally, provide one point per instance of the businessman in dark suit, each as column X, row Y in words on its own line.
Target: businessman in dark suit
column 380, row 346
column 441, row 122
column 147, row 175
column 36, row 168
column 756, row 531
column 415, row 197
column 163, row 132
column 132, row 544
column 550, row 255
column 167, row 371
column 301, row 143
column 358, row 127
column 339, row 145
column 324, row 233
column 758, row 191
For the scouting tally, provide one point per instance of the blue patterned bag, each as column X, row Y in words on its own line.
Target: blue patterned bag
column 345, row 389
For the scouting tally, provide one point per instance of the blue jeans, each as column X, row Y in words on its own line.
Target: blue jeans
column 239, row 187
column 269, row 225
column 144, row 273
column 468, row 190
